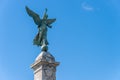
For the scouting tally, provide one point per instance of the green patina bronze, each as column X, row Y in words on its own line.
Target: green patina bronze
column 41, row 37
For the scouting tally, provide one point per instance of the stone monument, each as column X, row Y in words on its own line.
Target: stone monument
column 45, row 65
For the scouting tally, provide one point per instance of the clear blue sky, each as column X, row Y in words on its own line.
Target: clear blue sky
column 85, row 38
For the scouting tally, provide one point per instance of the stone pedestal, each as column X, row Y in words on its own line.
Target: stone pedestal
column 45, row 67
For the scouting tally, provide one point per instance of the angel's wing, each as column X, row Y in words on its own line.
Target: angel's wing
column 50, row 21
column 35, row 16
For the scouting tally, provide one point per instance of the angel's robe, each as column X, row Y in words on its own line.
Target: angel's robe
column 41, row 37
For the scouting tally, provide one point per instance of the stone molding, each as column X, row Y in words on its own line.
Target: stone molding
column 45, row 67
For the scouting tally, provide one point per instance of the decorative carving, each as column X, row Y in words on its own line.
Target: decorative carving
column 49, row 72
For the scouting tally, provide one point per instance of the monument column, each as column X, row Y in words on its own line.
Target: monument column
column 45, row 67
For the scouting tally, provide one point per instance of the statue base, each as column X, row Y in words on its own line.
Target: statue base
column 45, row 67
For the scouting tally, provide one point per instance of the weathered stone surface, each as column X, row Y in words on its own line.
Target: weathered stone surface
column 45, row 67
column 45, row 56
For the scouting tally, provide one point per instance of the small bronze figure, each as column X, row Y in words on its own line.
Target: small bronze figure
column 43, row 24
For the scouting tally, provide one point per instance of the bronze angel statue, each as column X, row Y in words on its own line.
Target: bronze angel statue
column 41, row 37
